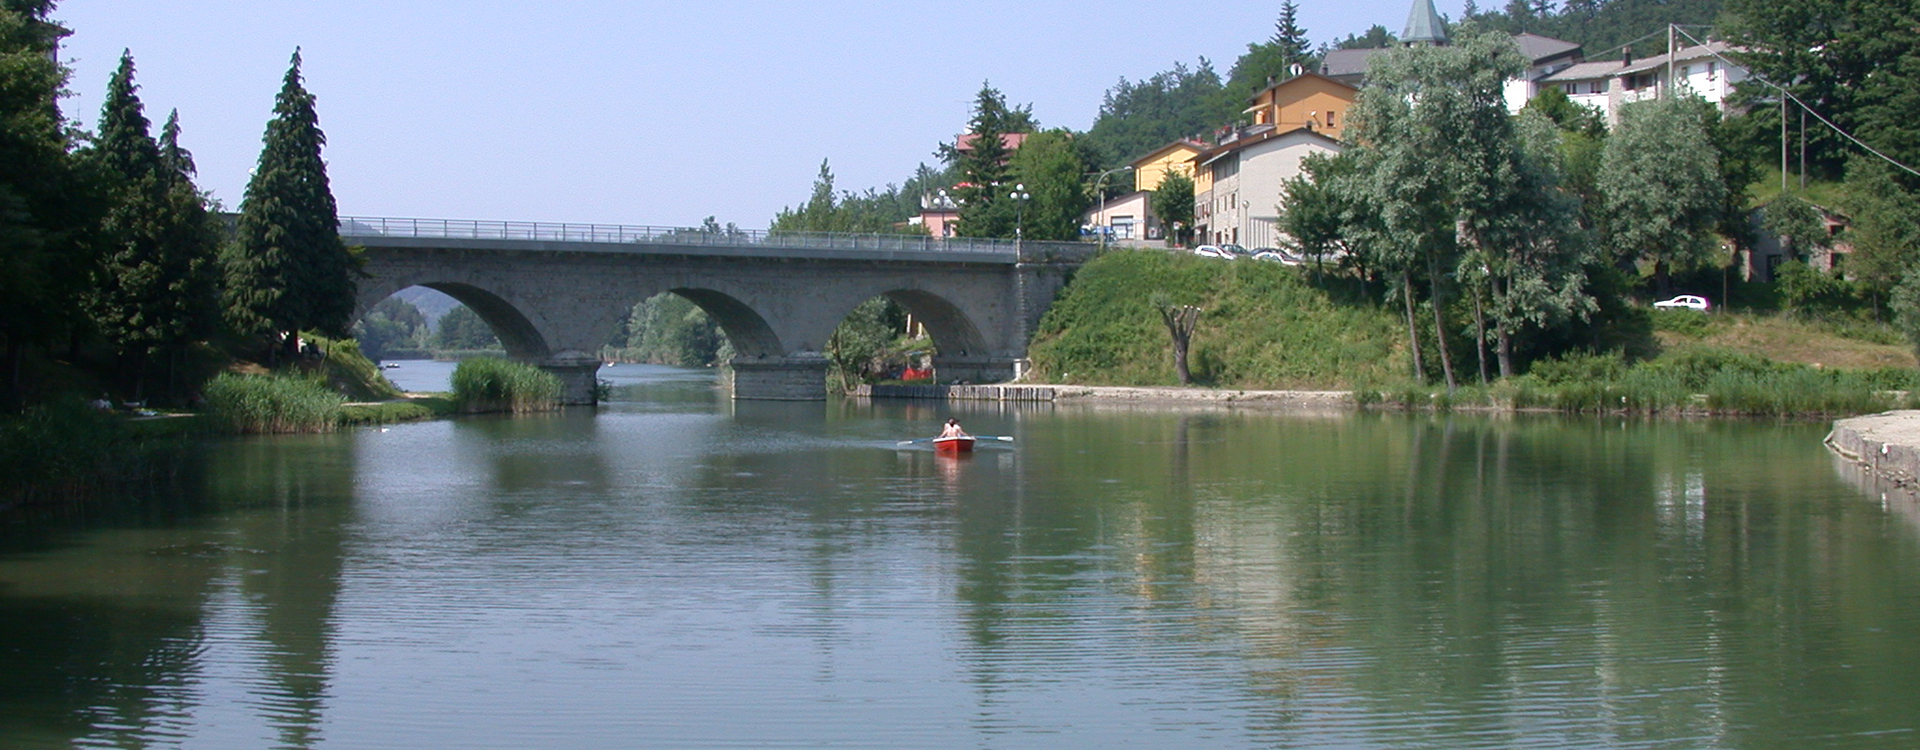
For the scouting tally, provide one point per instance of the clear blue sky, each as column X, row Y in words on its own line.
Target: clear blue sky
column 636, row 112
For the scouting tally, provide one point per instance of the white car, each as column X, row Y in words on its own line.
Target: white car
column 1211, row 251
column 1687, row 301
column 1277, row 256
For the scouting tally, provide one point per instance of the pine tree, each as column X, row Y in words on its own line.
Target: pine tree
column 985, row 210
column 1292, row 40
column 289, row 270
column 155, row 288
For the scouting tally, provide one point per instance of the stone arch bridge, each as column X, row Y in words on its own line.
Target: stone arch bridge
column 555, row 293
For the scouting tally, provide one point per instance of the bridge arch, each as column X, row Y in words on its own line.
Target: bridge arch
column 953, row 332
column 746, row 329
column 518, row 334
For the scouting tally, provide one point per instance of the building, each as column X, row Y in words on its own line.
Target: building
column 1307, row 100
column 1608, row 85
column 1245, row 178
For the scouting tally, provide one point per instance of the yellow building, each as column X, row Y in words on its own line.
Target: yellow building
column 1308, row 100
column 1150, row 170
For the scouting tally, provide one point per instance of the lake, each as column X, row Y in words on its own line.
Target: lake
column 676, row 570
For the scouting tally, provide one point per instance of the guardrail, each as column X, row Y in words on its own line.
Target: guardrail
column 370, row 226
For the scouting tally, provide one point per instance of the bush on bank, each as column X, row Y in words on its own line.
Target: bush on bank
column 273, row 403
column 489, row 384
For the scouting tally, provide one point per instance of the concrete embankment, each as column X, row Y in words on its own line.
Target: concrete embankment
column 1886, row 445
column 1090, row 394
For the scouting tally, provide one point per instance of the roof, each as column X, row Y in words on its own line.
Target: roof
column 1587, row 71
column 1253, row 140
column 1308, row 74
column 1348, row 62
column 1011, row 141
column 1151, row 155
column 1424, row 24
column 1697, row 52
column 1539, row 49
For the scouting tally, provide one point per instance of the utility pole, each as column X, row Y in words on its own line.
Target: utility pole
column 1666, row 92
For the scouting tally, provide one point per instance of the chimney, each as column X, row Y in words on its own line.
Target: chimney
column 1626, row 55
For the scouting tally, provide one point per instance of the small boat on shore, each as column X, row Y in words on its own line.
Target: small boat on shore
column 950, row 446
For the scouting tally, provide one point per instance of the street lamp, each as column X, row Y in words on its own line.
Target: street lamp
column 1102, row 216
column 1020, row 197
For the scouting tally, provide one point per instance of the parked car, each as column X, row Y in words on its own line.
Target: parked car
column 1276, row 255
column 1210, row 251
column 1234, row 251
column 1687, row 301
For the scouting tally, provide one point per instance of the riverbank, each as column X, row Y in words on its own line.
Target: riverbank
column 1886, row 445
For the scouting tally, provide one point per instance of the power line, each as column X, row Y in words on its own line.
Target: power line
column 1788, row 95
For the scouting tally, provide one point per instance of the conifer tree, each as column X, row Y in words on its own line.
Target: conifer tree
column 289, row 270
column 155, row 287
column 985, row 209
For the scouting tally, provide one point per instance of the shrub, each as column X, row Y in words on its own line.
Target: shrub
column 273, row 403
column 489, row 384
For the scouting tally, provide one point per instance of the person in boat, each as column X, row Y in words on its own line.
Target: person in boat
column 952, row 429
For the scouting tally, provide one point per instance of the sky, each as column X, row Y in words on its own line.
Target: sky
column 636, row 112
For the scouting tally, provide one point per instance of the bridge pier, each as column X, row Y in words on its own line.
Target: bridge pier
column 578, row 378
column 801, row 378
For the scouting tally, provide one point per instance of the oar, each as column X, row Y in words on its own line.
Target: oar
column 911, row 442
column 1004, row 438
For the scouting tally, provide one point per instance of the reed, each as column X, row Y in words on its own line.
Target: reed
column 273, row 403
column 489, row 384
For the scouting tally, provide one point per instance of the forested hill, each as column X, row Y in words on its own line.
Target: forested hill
column 1601, row 27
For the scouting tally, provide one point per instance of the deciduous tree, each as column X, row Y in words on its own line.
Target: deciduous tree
column 1172, row 202
column 1660, row 189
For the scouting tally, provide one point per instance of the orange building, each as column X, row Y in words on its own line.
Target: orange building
column 1308, row 100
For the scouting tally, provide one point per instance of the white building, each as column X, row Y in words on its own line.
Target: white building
column 1248, row 175
column 1608, row 85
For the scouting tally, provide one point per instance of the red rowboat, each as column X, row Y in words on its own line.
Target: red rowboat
column 953, row 445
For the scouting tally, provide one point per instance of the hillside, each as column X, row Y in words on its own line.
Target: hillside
column 1262, row 326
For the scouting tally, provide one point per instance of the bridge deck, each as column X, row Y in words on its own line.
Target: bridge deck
column 548, row 236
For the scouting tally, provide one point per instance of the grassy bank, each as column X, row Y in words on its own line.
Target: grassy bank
column 1261, row 327
column 1701, row 381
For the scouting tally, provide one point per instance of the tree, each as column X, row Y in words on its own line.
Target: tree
column 289, row 271
column 1138, row 117
column 1271, row 61
column 50, row 203
column 1885, row 229
column 1660, row 189
column 1180, row 321
column 462, row 329
column 391, row 325
column 1439, row 162
column 1052, row 170
column 872, row 212
column 985, row 209
column 1173, row 203
column 1857, row 62
column 157, row 288
column 1796, row 221
column 1376, row 37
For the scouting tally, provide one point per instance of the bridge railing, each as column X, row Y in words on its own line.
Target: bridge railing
column 370, row 226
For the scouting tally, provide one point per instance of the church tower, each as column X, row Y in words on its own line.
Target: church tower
column 1424, row 25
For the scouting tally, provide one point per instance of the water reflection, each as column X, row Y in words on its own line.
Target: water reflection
column 637, row 576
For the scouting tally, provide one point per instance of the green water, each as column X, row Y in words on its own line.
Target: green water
column 677, row 571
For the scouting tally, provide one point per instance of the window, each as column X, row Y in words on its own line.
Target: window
column 1330, row 118
column 1570, row 88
